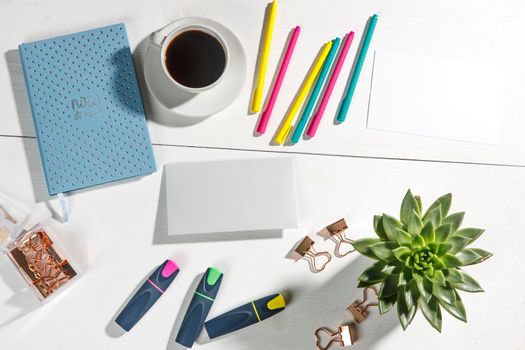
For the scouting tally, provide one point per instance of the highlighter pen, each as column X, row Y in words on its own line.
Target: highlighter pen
column 245, row 315
column 155, row 285
column 199, row 307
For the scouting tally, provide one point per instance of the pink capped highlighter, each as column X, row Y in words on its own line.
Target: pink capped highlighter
column 154, row 286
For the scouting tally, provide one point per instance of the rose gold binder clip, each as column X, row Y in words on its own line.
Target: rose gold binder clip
column 338, row 235
column 344, row 336
column 307, row 251
column 359, row 312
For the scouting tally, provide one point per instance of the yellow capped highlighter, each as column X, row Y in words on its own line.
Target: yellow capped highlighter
column 287, row 123
column 263, row 64
column 245, row 315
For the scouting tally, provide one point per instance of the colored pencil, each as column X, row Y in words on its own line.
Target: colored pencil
column 333, row 79
column 345, row 105
column 287, row 123
column 265, row 116
column 263, row 64
column 316, row 91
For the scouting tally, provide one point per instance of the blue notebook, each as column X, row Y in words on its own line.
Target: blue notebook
column 87, row 109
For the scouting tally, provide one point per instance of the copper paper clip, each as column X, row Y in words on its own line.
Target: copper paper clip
column 307, row 251
column 337, row 233
column 344, row 336
column 358, row 312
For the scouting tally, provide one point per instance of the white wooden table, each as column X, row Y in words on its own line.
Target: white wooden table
column 117, row 233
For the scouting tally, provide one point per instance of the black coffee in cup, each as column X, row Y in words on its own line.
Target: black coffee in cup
column 195, row 59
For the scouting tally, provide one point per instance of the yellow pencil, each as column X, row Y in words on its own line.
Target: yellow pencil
column 257, row 93
column 287, row 124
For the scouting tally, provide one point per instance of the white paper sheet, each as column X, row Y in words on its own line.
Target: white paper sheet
column 426, row 96
column 230, row 196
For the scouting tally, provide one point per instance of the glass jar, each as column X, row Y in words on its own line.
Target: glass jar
column 34, row 250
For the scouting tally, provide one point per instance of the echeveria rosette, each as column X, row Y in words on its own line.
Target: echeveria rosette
column 419, row 260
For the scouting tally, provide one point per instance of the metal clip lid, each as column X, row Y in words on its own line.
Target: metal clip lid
column 359, row 312
column 344, row 336
column 307, row 251
column 338, row 234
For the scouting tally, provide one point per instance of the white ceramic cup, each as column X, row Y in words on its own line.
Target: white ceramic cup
column 192, row 104
column 166, row 35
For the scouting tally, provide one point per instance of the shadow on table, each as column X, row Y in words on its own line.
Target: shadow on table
column 25, row 119
column 161, row 235
column 16, row 74
column 308, row 310
column 371, row 87
column 22, row 297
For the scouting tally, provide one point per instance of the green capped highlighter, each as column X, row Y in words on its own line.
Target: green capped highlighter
column 199, row 307
column 245, row 315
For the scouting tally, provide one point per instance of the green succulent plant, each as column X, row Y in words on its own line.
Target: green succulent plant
column 420, row 259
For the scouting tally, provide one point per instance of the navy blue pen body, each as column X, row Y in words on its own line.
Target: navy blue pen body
column 137, row 307
column 233, row 320
column 147, row 295
column 193, row 320
column 199, row 307
column 245, row 315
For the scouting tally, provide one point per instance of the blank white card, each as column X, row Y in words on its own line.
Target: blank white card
column 231, row 196
column 436, row 97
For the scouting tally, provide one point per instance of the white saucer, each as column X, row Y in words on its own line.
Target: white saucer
column 205, row 103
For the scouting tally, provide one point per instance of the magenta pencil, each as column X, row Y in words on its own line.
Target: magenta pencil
column 330, row 87
column 265, row 116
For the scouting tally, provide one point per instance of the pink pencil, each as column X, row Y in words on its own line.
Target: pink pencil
column 265, row 116
column 330, row 87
